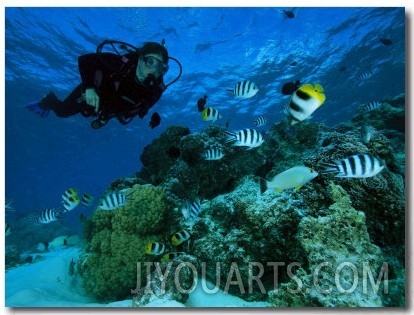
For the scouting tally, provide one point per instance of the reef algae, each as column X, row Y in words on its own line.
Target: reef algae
column 339, row 252
column 116, row 242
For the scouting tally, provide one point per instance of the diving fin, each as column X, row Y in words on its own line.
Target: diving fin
column 43, row 107
column 36, row 108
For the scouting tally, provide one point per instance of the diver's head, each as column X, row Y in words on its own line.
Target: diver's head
column 152, row 63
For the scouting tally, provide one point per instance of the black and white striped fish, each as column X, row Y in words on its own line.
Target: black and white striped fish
column 250, row 138
column 363, row 76
column 213, row 154
column 260, row 121
column 112, row 201
column 371, row 106
column 191, row 209
column 356, row 166
column 47, row 215
column 244, row 89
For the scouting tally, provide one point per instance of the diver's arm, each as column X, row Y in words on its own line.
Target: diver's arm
column 92, row 68
column 92, row 98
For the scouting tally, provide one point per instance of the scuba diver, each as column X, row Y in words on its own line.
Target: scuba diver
column 114, row 85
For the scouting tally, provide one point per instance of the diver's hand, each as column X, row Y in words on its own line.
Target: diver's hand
column 92, row 98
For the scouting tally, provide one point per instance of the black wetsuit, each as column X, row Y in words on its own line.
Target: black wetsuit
column 114, row 79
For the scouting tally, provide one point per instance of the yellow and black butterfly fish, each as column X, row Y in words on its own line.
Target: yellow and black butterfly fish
column 171, row 256
column 180, row 237
column 154, row 248
column 210, row 114
column 304, row 101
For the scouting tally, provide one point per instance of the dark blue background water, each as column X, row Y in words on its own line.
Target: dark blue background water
column 217, row 48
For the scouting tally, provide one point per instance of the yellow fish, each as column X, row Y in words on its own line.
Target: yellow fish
column 294, row 177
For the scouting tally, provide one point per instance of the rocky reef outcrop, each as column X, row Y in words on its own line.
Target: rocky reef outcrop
column 323, row 239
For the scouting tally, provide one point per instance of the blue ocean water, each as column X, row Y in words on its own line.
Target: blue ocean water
column 217, row 47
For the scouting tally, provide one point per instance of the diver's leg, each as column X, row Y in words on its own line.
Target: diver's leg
column 73, row 104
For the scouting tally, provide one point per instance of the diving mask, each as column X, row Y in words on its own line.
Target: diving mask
column 157, row 66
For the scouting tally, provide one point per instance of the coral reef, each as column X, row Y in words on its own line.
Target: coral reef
column 117, row 239
column 345, row 224
column 244, row 226
column 188, row 174
column 158, row 157
column 382, row 197
column 171, row 281
column 390, row 116
column 339, row 243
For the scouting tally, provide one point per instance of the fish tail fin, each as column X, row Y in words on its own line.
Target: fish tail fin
column 230, row 91
column 31, row 219
column 328, row 168
column 230, row 136
column 263, row 185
